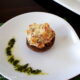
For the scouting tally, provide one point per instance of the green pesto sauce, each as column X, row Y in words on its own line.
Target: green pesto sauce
column 15, row 62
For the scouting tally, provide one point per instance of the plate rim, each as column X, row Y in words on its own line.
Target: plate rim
column 68, row 7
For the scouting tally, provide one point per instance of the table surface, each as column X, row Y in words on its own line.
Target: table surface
column 11, row 8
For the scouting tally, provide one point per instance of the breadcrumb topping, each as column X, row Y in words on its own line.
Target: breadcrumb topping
column 39, row 34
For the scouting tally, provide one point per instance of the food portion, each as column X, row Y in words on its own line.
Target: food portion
column 26, row 68
column 40, row 37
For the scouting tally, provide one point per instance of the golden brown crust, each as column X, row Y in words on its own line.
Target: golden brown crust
column 39, row 34
column 47, row 46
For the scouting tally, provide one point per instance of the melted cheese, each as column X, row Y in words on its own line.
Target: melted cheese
column 39, row 34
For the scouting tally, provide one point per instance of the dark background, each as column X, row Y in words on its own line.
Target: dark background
column 11, row 8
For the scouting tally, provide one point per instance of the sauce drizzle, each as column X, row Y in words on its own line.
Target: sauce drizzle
column 15, row 62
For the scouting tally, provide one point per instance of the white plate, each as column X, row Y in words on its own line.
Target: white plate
column 73, row 5
column 56, row 61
